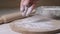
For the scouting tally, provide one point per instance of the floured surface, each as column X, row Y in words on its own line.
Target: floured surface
column 5, row 29
column 39, row 26
column 37, row 23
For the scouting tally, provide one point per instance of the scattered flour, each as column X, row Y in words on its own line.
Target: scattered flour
column 38, row 25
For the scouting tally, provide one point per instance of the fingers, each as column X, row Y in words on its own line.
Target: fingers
column 25, row 10
column 26, row 2
column 30, row 9
column 22, row 6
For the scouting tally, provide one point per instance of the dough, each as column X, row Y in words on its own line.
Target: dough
column 35, row 24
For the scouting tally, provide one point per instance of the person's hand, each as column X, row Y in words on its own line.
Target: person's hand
column 27, row 6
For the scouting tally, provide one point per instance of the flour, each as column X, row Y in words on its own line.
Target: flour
column 49, row 11
column 38, row 25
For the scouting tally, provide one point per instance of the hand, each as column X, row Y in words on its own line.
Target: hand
column 27, row 6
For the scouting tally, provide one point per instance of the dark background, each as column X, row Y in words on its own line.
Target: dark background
column 15, row 3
